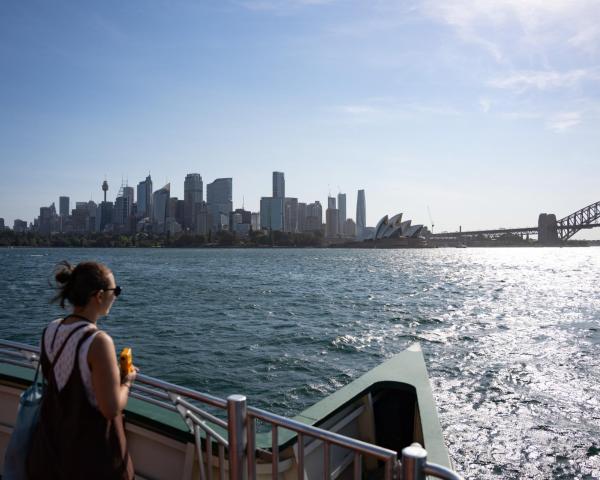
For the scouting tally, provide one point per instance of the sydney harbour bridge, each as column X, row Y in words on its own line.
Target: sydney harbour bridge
column 549, row 230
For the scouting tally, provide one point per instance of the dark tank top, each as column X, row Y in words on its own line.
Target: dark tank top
column 73, row 440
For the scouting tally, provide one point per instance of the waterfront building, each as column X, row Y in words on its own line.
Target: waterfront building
column 63, row 212
column 239, row 215
column 92, row 208
column 160, row 203
column 120, row 216
column 332, row 224
column 192, row 195
column 314, row 217
column 63, row 206
column 202, row 221
column 128, row 193
column 341, row 205
column 124, row 209
column 290, row 215
column 104, row 220
column 180, row 212
column 255, row 221
column 394, row 227
column 220, row 205
column 301, row 217
column 172, row 226
column 47, row 221
column 278, row 185
column 361, row 215
column 144, row 198
column 240, row 222
column 271, row 213
column 19, row 226
column 349, row 228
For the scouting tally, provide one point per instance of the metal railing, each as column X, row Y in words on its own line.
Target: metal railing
column 236, row 433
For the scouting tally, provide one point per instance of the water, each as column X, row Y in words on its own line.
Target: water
column 511, row 336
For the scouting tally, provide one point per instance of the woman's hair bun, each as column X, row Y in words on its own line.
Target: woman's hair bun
column 63, row 273
column 78, row 284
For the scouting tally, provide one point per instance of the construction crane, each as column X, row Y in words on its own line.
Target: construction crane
column 430, row 219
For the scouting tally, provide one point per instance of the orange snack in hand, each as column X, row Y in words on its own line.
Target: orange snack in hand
column 126, row 362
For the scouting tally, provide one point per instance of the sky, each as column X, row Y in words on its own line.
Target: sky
column 485, row 113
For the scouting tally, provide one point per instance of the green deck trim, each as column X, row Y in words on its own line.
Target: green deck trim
column 408, row 368
column 405, row 370
column 137, row 412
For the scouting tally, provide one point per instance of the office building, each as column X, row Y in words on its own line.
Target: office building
column 63, row 206
column 349, row 228
column 160, row 204
column 331, row 202
column 144, row 198
column 124, row 208
column 218, row 198
column 105, row 218
column 19, row 226
column 314, row 217
column 255, row 221
column 245, row 216
column 192, row 195
column 361, row 215
column 331, row 226
column 271, row 213
column 202, row 222
column 301, row 217
column 278, row 185
column 47, row 222
column 341, row 205
column 290, row 215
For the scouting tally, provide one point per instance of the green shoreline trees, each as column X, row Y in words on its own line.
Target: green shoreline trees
column 223, row 238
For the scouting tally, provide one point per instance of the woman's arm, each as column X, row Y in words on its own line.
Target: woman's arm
column 111, row 394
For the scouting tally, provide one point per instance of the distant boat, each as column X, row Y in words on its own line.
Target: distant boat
column 461, row 245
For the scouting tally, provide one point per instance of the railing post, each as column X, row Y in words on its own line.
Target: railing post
column 414, row 459
column 236, row 427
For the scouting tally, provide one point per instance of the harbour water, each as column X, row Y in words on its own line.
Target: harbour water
column 511, row 336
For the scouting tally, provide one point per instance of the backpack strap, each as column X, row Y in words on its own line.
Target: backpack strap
column 62, row 347
column 72, row 315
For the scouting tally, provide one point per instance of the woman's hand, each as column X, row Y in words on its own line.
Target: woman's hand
column 130, row 377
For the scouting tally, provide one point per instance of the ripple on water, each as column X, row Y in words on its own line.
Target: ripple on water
column 511, row 336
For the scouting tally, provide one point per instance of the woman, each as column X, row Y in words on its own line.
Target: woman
column 80, row 434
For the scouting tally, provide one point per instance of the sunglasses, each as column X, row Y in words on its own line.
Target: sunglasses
column 117, row 290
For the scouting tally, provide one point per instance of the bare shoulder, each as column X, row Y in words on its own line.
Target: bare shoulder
column 102, row 345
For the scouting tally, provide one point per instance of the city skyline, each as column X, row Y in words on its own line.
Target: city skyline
column 485, row 113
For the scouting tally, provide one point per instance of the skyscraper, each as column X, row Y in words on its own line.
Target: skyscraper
column 341, row 212
column 271, row 213
column 314, row 217
column 278, row 185
column 290, row 214
column 192, row 196
column 63, row 206
column 330, row 202
column 144, row 195
column 218, row 198
column 332, row 222
column 160, row 206
column 361, row 214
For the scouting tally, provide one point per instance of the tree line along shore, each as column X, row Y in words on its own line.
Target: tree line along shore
column 224, row 238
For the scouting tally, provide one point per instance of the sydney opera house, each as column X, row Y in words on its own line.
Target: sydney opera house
column 394, row 227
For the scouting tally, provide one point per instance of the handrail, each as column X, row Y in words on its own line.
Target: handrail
column 416, row 467
column 241, row 432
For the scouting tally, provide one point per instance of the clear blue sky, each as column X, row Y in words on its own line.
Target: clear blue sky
column 488, row 112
